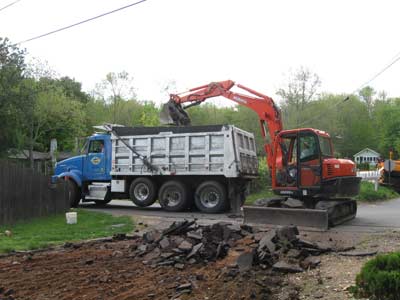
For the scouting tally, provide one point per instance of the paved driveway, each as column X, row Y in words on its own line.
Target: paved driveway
column 381, row 216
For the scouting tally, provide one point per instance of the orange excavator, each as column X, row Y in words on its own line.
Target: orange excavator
column 316, row 186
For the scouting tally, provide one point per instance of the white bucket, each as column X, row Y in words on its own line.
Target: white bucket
column 72, row 217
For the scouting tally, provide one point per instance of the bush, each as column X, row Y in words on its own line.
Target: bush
column 368, row 193
column 264, row 179
column 379, row 278
column 364, row 166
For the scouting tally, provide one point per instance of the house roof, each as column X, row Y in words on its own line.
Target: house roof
column 367, row 149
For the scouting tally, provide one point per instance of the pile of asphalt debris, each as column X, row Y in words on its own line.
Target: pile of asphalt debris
column 187, row 243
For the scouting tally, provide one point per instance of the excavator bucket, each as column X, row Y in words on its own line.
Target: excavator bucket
column 173, row 113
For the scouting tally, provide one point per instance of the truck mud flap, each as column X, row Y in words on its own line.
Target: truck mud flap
column 313, row 218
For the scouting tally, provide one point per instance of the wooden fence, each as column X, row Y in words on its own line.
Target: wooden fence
column 26, row 194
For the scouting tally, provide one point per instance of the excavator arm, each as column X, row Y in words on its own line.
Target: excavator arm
column 269, row 114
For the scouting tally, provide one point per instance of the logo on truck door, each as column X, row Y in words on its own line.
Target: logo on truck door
column 95, row 160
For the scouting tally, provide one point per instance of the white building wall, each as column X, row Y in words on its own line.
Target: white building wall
column 367, row 156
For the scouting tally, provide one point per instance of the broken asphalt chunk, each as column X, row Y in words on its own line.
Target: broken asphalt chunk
column 310, row 262
column 267, row 242
column 196, row 248
column 185, row 286
column 185, row 246
column 292, row 203
column 245, row 261
column 164, row 243
column 285, row 267
column 359, row 253
column 288, row 233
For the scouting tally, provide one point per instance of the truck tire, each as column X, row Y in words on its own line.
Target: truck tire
column 143, row 192
column 74, row 196
column 173, row 196
column 211, row 197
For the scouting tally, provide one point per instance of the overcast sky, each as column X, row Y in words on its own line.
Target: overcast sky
column 253, row 42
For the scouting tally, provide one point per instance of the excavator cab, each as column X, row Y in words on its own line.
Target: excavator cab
column 298, row 161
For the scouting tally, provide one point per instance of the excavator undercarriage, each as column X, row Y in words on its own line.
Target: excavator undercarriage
column 324, row 185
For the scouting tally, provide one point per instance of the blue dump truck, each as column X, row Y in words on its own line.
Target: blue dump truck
column 204, row 166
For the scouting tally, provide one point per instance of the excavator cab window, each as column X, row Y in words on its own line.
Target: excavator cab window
column 286, row 167
column 309, row 148
column 326, row 146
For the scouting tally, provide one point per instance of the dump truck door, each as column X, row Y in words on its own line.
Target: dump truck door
column 95, row 166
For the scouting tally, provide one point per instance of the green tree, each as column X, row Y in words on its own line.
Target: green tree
column 12, row 67
column 300, row 89
column 116, row 88
column 366, row 94
column 387, row 125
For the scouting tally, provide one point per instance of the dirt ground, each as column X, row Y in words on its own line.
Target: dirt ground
column 336, row 273
column 108, row 270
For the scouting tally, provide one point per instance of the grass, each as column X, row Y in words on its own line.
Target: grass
column 368, row 193
column 53, row 230
column 266, row 193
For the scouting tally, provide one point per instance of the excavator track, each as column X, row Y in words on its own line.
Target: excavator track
column 326, row 214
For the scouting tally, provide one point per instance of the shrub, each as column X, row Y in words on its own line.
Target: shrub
column 368, row 193
column 379, row 278
column 264, row 179
column 364, row 166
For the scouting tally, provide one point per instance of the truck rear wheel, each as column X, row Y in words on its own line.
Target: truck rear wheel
column 74, row 196
column 210, row 197
column 173, row 196
column 143, row 192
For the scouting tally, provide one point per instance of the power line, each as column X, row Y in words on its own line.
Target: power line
column 394, row 60
column 81, row 22
column 8, row 5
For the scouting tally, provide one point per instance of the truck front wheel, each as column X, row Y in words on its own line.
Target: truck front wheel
column 143, row 192
column 173, row 196
column 74, row 196
column 210, row 197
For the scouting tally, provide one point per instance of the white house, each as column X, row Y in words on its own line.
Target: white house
column 367, row 155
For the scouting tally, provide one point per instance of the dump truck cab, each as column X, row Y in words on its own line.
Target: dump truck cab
column 92, row 164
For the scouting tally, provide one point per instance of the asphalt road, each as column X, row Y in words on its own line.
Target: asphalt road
column 376, row 217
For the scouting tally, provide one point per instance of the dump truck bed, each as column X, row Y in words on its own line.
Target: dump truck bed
column 196, row 150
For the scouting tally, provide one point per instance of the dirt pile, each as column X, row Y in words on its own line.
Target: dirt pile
column 185, row 261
